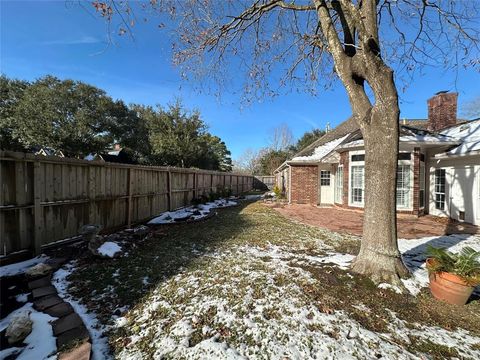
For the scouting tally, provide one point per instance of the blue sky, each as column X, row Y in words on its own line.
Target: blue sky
column 62, row 39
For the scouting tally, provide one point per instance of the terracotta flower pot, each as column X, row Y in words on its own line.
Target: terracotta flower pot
column 449, row 287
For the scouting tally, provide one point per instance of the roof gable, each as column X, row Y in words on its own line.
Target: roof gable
column 346, row 127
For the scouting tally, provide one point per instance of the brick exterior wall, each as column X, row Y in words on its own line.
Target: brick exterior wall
column 304, row 184
column 442, row 111
column 344, row 162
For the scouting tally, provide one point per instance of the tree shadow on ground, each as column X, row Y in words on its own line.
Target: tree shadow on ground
column 110, row 286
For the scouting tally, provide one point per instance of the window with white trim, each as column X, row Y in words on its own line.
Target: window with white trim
column 339, row 185
column 324, row 177
column 440, row 189
column 357, row 185
column 403, row 186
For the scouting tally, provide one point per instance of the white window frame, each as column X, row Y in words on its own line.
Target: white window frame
column 436, row 188
column 405, row 164
column 339, row 185
column 351, row 165
column 322, row 177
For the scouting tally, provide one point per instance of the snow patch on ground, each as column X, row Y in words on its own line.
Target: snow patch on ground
column 341, row 260
column 40, row 343
column 269, row 319
column 390, row 287
column 109, row 249
column 100, row 348
column 253, row 197
column 20, row 267
column 191, row 212
column 21, row 298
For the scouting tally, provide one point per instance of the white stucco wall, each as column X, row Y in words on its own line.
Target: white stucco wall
column 462, row 190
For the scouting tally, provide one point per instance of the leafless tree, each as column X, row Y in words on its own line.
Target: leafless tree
column 305, row 45
column 281, row 137
column 248, row 162
column 471, row 109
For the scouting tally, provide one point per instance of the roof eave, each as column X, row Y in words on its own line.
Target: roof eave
column 311, row 162
column 433, row 143
column 453, row 156
column 281, row 167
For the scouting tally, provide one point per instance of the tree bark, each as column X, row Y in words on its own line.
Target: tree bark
column 379, row 257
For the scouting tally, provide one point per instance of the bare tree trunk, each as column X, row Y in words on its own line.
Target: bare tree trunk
column 379, row 257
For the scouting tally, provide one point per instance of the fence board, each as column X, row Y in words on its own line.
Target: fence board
column 264, row 182
column 44, row 199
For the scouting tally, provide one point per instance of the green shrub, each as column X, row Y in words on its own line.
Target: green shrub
column 277, row 191
column 212, row 196
column 465, row 264
column 224, row 192
column 202, row 199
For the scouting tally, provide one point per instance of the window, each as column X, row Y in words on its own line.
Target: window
column 360, row 157
column 357, row 184
column 421, row 190
column 325, row 178
column 403, row 186
column 404, row 156
column 339, row 185
column 440, row 189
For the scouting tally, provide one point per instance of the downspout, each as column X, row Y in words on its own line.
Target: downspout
column 289, row 184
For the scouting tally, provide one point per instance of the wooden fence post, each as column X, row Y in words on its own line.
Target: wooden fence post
column 3, row 241
column 169, row 189
column 20, row 199
column 91, row 194
column 37, row 209
column 195, row 185
column 130, row 177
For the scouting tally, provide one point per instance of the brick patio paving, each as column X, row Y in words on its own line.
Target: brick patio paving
column 350, row 221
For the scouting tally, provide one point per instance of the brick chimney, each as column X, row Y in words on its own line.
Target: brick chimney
column 442, row 110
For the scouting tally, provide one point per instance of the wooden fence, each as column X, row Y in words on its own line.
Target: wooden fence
column 264, row 182
column 47, row 199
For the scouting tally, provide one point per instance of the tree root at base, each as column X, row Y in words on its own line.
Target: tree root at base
column 381, row 269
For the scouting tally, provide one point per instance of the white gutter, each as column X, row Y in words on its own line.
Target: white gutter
column 453, row 156
column 292, row 162
column 289, row 184
column 433, row 143
column 281, row 167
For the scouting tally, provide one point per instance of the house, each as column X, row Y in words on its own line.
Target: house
column 46, row 151
column 438, row 166
column 116, row 155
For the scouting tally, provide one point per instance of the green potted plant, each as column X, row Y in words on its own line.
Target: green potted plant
column 453, row 276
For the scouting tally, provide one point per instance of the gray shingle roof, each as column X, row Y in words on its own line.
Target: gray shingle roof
column 346, row 127
column 350, row 126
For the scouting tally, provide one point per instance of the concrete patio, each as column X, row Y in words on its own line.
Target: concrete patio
column 350, row 221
